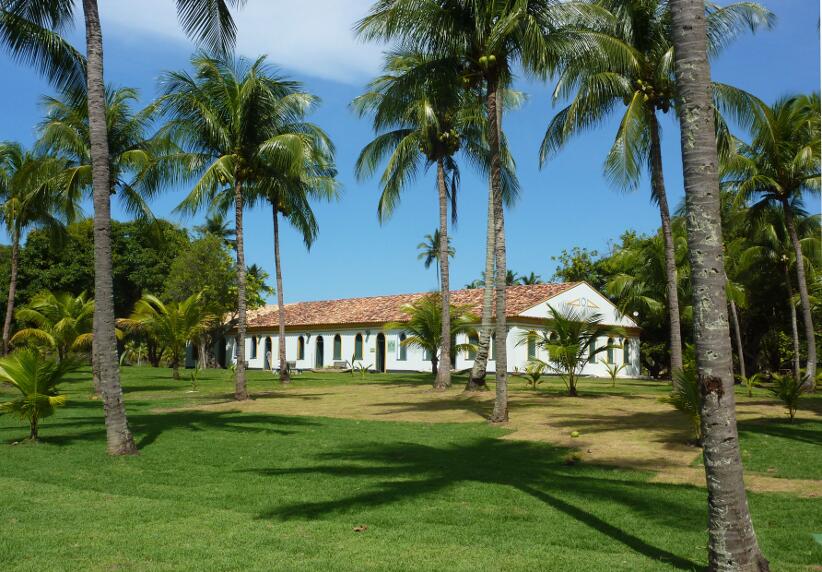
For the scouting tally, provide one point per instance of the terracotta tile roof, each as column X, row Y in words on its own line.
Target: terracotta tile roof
column 382, row 309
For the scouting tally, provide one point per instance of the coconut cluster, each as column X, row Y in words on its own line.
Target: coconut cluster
column 659, row 98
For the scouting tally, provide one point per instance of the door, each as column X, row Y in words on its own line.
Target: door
column 318, row 353
column 268, row 355
column 380, row 365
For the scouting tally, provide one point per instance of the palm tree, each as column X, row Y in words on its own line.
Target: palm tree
column 30, row 30
column 424, row 328
column 174, row 325
column 238, row 123
column 430, row 250
column 217, row 225
column 530, row 279
column 732, row 543
column 423, row 119
column 36, row 378
column 769, row 246
column 59, row 320
column 569, row 338
column 778, row 167
column 28, row 201
column 488, row 39
column 632, row 67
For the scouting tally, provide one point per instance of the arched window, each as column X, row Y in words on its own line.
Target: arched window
column 358, row 346
column 473, row 339
column 253, row 348
column 610, row 350
column 532, row 345
column 592, row 351
column 492, row 346
column 236, row 347
column 300, row 348
column 403, row 348
column 337, row 347
column 626, row 351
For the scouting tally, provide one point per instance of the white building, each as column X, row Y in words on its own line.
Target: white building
column 333, row 332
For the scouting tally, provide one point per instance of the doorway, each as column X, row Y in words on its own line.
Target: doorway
column 318, row 353
column 268, row 355
column 380, row 365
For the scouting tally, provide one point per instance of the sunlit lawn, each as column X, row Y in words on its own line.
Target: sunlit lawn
column 216, row 490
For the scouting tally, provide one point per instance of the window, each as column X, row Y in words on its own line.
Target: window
column 358, row 346
column 492, row 347
column 473, row 339
column 300, row 348
column 253, row 347
column 236, row 348
column 403, row 348
column 337, row 347
column 626, row 351
column 610, row 350
column 592, row 351
column 532, row 345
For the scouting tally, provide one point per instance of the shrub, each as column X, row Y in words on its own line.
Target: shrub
column 687, row 399
column 533, row 372
column 788, row 390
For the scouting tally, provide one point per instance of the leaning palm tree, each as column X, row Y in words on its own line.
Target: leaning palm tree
column 30, row 30
column 632, row 67
column 36, row 378
column 732, row 543
column 424, row 329
column 769, row 249
column 174, row 325
column 778, row 167
column 430, row 251
column 59, row 321
column 423, row 118
column 488, row 39
column 237, row 125
column 28, row 201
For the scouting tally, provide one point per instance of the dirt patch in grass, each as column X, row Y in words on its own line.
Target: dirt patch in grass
column 631, row 431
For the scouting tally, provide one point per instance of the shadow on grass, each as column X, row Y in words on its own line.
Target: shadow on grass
column 405, row 471
column 147, row 428
column 803, row 430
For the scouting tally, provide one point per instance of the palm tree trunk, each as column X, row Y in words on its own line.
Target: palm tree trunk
column 240, row 390
column 658, row 189
column 794, row 326
column 807, row 319
column 118, row 436
column 500, row 413
column 15, row 255
column 33, row 428
column 732, row 543
column 434, row 364
column 284, row 376
column 738, row 338
column 476, row 380
column 443, row 379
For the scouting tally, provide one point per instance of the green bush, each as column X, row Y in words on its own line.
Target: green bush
column 788, row 390
column 687, row 399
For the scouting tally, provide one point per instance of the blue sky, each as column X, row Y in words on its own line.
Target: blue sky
column 565, row 204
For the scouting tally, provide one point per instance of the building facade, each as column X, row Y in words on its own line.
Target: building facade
column 338, row 333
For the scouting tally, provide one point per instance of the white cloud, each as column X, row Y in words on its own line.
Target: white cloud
column 313, row 37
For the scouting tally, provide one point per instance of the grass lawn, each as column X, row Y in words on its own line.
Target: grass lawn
column 226, row 490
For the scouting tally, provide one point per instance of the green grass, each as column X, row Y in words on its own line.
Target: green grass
column 232, row 491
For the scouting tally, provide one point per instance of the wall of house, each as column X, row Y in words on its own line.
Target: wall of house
column 414, row 358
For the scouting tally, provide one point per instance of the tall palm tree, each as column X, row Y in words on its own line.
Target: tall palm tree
column 28, row 201
column 423, row 118
column 632, row 66
column 770, row 249
column 489, row 39
column 732, row 543
column 778, row 167
column 60, row 321
column 234, row 122
column 30, row 31
column 430, row 250
column 173, row 325
column 531, row 279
